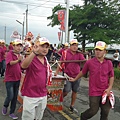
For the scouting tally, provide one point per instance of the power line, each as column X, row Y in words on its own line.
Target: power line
column 46, row 4
column 24, row 3
column 36, row 4
column 40, row 5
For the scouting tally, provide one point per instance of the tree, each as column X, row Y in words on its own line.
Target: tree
column 96, row 20
column 54, row 16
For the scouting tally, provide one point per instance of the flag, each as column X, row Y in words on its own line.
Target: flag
column 61, row 19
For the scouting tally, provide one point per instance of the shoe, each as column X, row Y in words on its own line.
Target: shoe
column 13, row 116
column 73, row 109
column 81, row 117
column 4, row 110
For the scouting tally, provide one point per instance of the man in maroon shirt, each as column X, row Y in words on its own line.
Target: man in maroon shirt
column 34, row 87
column 12, row 78
column 66, row 46
column 10, row 47
column 1, row 55
column 3, row 58
column 71, row 69
column 101, row 78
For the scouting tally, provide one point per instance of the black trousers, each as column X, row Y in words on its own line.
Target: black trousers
column 115, row 63
column 94, row 104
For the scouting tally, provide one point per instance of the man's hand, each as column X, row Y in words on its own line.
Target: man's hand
column 71, row 79
column 107, row 92
column 36, row 49
column 20, row 58
column 55, row 74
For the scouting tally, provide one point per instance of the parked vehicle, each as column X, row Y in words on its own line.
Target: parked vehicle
column 110, row 53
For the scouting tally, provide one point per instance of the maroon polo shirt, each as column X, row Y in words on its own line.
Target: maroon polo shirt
column 72, row 68
column 1, row 53
column 61, row 50
column 99, row 74
column 34, row 84
column 13, row 72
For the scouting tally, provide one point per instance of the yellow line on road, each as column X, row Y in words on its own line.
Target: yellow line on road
column 72, row 113
column 65, row 115
column 76, row 117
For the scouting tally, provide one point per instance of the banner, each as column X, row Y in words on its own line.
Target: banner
column 61, row 19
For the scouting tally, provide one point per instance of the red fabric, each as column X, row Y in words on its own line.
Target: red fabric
column 61, row 18
column 64, row 58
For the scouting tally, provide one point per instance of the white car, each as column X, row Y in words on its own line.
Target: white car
column 110, row 53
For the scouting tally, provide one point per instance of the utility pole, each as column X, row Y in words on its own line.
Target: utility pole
column 23, row 28
column 22, row 23
column 27, row 20
column 67, row 21
column 5, row 34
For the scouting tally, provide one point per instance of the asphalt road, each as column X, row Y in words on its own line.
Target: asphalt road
column 81, row 105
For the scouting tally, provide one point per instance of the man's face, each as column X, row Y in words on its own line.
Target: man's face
column 74, row 47
column 66, row 47
column 43, row 49
column 100, row 53
column 3, row 44
column 18, row 48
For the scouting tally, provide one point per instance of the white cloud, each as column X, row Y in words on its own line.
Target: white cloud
column 38, row 11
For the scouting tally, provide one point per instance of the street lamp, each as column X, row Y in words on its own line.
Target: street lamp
column 22, row 28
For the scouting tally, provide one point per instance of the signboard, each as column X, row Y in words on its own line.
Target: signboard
column 15, row 34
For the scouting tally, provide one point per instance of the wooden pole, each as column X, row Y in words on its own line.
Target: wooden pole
column 68, row 61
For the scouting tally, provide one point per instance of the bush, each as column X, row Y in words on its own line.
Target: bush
column 116, row 84
column 117, row 73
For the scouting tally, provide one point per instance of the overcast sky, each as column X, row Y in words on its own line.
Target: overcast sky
column 38, row 11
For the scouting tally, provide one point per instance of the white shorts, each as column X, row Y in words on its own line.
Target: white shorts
column 33, row 108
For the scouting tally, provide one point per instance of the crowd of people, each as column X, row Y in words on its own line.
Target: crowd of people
column 34, row 61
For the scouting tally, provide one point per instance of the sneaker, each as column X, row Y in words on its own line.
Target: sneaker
column 73, row 109
column 4, row 110
column 13, row 116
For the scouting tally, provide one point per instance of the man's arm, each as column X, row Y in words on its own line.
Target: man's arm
column 77, row 77
column 20, row 58
column 57, row 70
column 111, row 81
column 14, row 62
column 28, row 60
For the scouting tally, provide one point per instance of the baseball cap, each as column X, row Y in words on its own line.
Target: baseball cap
column 3, row 41
column 43, row 40
column 100, row 45
column 66, row 44
column 17, row 41
column 73, row 41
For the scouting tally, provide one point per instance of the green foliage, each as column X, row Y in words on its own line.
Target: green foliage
column 54, row 16
column 116, row 84
column 94, row 21
column 117, row 73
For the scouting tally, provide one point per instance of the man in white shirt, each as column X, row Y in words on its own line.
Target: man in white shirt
column 115, row 57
